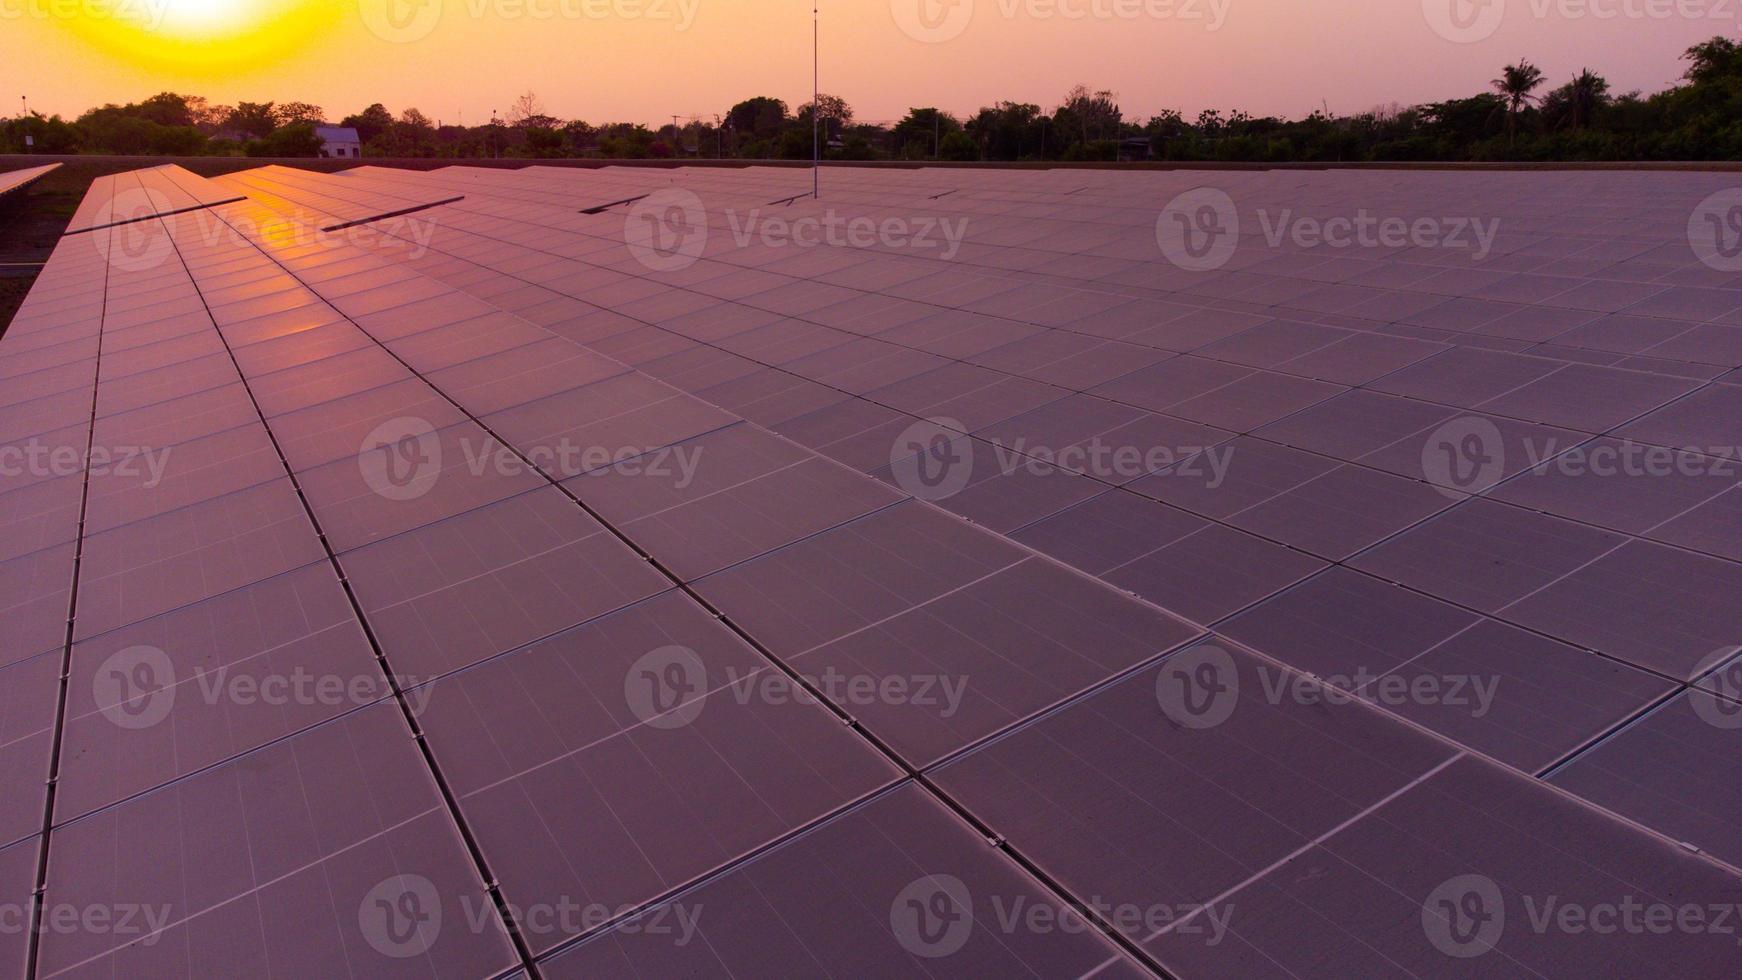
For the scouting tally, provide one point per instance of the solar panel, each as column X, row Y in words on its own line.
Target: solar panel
column 13, row 180
column 851, row 595
column 906, row 886
column 18, row 872
column 618, row 804
column 27, row 728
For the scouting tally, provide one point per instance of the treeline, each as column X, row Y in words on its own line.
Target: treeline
column 1523, row 116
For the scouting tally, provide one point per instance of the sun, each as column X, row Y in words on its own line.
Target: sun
column 206, row 18
column 194, row 37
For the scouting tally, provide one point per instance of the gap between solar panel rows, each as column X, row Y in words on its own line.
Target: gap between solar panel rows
column 1612, row 698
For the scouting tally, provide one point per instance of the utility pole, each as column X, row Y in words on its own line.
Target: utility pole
column 816, row 100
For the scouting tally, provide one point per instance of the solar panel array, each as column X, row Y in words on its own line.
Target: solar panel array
column 12, row 180
column 480, row 573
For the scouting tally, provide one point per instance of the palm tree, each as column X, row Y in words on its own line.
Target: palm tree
column 1585, row 94
column 1515, row 86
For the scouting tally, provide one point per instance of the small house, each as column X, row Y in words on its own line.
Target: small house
column 339, row 142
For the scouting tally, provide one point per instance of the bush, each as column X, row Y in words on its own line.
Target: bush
column 298, row 140
column 958, row 147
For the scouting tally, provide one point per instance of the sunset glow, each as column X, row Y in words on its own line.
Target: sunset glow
column 203, row 38
column 644, row 60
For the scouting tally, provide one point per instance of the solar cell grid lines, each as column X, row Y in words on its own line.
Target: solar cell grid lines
column 576, row 572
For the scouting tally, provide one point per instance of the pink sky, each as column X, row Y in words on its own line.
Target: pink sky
column 645, row 60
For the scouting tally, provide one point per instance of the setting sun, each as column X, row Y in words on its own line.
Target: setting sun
column 206, row 36
column 203, row 18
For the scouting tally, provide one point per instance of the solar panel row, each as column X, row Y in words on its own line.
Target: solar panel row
column 13, row 180
column 643, row 531
column 141, row 195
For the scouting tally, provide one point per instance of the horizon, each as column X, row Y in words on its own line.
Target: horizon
column 344, row 55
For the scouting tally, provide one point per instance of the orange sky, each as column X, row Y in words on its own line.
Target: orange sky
column 645, row 60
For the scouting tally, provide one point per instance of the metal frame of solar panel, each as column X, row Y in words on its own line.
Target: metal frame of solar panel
column 685, row 575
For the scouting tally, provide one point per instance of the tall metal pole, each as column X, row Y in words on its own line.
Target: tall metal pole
column 816, row 100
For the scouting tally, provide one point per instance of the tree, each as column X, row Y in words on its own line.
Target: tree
column 370, row 123
column 833, row 108
column 1714, row 60
column 527, row 112
column 48, row 134
column 544, row 142
column 580, row 137
column 1008, row 130
column 294, row 140
column 958, row 146
column 169, row 109
column 759, row 118
column 1515, row 87
column 130, row 130
column 290, row 113
column 1085, row 112
column 209, row 118
column 255, row 119
column 1576, row 103
column 413, row 135
column 920, row 135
